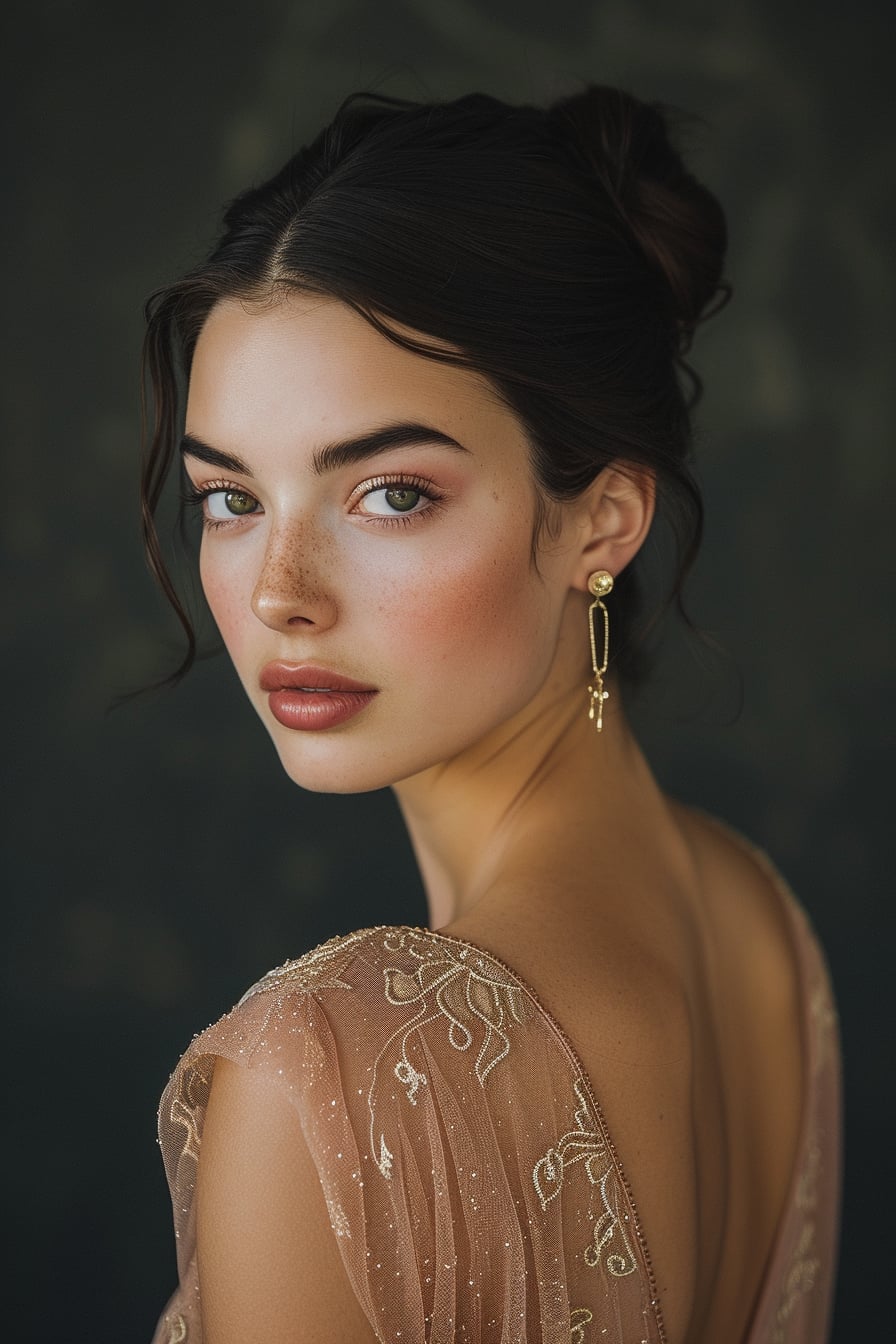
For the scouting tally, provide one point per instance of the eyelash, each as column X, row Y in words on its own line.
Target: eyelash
column 194, row 496
column 422, row 484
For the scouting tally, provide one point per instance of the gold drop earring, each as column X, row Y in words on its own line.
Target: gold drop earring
column 600, row 583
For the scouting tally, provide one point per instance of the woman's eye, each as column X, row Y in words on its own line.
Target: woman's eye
column 223, row 505
column 393, row 499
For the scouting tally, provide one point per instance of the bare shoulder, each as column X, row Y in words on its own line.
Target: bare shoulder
column 743, row 908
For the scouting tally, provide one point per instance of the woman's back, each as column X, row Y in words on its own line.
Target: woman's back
column 683, row 999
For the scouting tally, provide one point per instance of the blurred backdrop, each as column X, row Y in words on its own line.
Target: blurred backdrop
column 156, row 861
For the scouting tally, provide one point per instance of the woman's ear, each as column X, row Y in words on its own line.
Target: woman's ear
column 619, row 506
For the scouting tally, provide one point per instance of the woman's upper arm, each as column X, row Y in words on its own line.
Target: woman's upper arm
column 269, row 1263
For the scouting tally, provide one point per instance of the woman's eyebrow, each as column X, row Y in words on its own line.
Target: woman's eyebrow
column 332, row 456
column 190, row 446
column 402, row 434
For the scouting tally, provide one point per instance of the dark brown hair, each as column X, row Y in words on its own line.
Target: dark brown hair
column 565, row 254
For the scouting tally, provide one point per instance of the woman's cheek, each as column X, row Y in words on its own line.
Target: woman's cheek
column 229, row 599
column 476, row 610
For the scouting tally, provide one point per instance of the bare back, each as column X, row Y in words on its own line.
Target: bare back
column 682, row 1002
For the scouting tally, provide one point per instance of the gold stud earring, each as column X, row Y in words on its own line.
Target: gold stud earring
column 600, row 583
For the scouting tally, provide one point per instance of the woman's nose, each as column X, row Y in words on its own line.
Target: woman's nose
column 290, row 591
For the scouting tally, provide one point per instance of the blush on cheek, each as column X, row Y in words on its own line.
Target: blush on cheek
column 480, row 613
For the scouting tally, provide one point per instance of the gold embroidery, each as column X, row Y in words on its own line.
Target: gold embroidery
column 189, row 1102
column 472, row 992
column 384, row 1161
column 606, row 1228
column 579, row 1318
column 469, row 990
column 586, row 1143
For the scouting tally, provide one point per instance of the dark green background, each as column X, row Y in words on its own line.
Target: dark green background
column 156, row 860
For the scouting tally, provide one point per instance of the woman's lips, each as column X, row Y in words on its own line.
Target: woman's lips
column 310, row 698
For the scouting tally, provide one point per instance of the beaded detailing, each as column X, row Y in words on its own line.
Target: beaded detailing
column 319, row 969
column 322, row 968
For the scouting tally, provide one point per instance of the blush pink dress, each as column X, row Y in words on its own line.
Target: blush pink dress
column 473, row 1187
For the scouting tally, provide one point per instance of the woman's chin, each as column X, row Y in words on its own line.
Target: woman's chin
column 320, row 773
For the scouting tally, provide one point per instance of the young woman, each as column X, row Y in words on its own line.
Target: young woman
column 435, row 409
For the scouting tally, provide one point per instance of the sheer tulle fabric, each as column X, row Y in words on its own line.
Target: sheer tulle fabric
column 472, row 1185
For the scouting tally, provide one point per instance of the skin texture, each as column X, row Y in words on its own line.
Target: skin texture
column 536, row 839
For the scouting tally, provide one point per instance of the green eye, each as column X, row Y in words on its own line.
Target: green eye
column 386, row 500
column 222, row 506
column 402, row 498
column 237, row 501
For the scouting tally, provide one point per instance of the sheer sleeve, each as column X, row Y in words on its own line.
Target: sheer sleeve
column 471, row 1185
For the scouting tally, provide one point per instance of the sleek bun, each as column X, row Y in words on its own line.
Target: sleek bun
column 676, row 222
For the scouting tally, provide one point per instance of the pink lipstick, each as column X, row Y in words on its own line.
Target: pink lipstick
column 309, row 698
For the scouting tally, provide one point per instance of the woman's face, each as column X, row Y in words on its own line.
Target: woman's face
column 366, row 551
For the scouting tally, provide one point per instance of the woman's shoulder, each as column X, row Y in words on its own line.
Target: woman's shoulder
column 353, row 1002
column 750, row 898
column 343, row 964
column 377, row 974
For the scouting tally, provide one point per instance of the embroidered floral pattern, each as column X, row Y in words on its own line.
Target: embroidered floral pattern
column 609, row 1230
column 471, row 992
column 586, row 1143
column 583, row 1144
column 453, row 983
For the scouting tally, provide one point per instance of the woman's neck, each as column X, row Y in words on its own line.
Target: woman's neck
column 542, row 799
